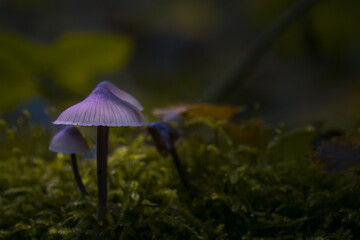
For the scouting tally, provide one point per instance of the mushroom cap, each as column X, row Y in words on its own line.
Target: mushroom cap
column 102, row 108
column 121, row 94
column 69, row 140
column 164, row 136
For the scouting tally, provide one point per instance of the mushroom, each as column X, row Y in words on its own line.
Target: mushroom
column 70, row 141
column 165, row 136
column 121, row 94
column 102, row 109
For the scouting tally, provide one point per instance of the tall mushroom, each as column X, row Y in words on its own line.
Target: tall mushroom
column 70, row 141
column 120, row 94
column 102, row 109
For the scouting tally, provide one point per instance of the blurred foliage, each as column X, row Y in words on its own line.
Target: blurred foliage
column 292, row 144
column 20, row 62
column 77, row 58
column 217, row 112
column 187, row 42
column 330, row 23
column 269, row 191
column 68, row 66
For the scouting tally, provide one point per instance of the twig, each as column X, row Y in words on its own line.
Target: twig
column 221, row 88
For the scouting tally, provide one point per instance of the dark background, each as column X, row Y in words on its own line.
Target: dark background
column 169, row 52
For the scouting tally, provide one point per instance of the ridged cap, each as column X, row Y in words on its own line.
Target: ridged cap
column 102, row 108
column 121, row 94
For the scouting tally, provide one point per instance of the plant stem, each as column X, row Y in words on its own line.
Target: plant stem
column 77, row 175
column 102, row 149
column 182, row 173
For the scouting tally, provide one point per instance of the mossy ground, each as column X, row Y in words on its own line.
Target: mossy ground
column 252, row 183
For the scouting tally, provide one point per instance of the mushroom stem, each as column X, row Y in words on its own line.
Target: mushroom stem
column 182, row 173
column 102, row 150
column 77, row 175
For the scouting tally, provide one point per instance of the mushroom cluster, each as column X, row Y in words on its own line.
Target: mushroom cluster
column 106, row 106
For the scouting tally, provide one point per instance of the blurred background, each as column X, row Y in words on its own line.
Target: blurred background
column 53, row 53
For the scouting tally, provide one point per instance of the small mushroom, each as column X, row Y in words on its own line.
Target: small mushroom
column 102, row 109
column 165, row 136
column 70, row 141
column 121, row 94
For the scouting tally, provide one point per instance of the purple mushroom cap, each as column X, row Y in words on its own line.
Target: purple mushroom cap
column 164, row 136
column 102, row 108
column 121, row 94
column 69, row 140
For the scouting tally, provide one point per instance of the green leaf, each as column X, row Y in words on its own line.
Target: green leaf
column 20, row 63
column 77, row 58
column 73, row 62
column 293, row 145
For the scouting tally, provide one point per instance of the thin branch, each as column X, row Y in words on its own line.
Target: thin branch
column 222, row 88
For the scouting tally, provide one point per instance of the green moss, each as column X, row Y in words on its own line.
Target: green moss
column 244, row 192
